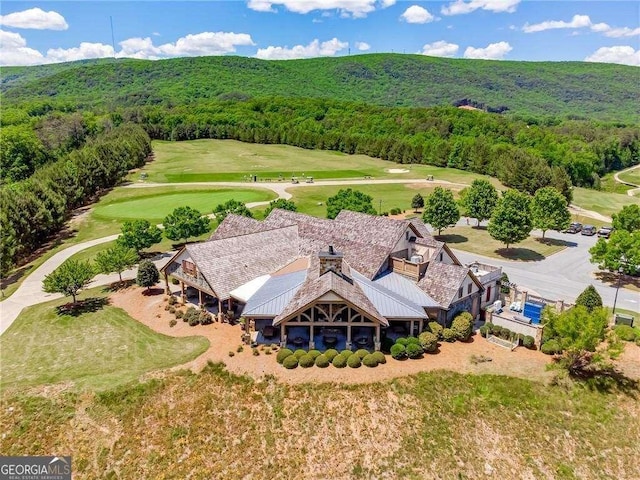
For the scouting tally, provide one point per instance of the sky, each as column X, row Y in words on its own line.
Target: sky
column 41, row 32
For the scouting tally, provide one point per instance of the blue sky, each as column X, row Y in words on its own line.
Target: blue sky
column 49, row 31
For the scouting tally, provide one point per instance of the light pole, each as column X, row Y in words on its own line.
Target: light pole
column 620, row 270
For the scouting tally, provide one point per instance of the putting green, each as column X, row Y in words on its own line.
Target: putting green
column 157, row 206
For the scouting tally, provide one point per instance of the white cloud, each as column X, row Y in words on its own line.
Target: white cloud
column 139, row 48
column 460, row 7
column 623, row 54
column 14, row 50
column 314, row 49
column 578, row 21
column 493, row 51
column 347, row 8
column 620, row 32
column 417, row 14
column 206, row 43
column 440, row 49
column 363, row 46
column 156, row 34
column 84, row 51
column 34, row 18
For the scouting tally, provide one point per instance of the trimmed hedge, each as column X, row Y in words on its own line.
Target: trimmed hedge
column 346, row 353
column 448, row 335
column 529, row 342
column 361, row 353
column 282, row 354
column 436, row 329
column 354, row 361
column 402, row 341
column 299, row 353
column 370, row 361
column 331, row 354
column 290, row 362
column 398, row 351
column 339, row 361
column 322, row 361
column 429, row 342
column 314, row 353
column 380, row 357
column 411, row 339
column 414, row 350
column 463, row 326
column 306, row 361
column 551, row 347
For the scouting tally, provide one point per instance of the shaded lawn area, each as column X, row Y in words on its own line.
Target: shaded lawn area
column 478, row 240
column 97, row 347
column 626, row 281
column 605, row 203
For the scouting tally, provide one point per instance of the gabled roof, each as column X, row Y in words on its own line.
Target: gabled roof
column 231, row 262
column 406, row 288
column 421, row 228
column 274, row 295
column 314, row 288
column 387, row 302
column 442, row 281
column 377, row 230
column 234, row 225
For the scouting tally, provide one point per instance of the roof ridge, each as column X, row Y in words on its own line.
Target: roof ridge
column 392, row 295
column 279, row 294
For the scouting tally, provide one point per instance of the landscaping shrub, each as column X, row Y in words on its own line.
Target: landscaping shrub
column 339, row 361
column 398, row 351
column 448, row 335
column 231, row 354
column 346, row 353
column 179, row 314
column 175, row 281
column 306, row 361
column 191, row 316
column 361, row 353
column 172, row 300
column 411, row 339
column 205, row 318
column 172, row 323
column 314, row 353
column 194, row 320
column 462, row 326
column 496, row 330
column 256, row 352
column 241, row 348
column 370, row 361
column 466, row 315
column 484, row 330
column 354, row 361
column 402, row 341
column 414, row 350
column 551, row 347
column 290, row 362
column 395, row 211
column 166, row 308
column 436, row 329
column 331, row 354
column 626, row 333
column 428, row 342
column 282, row 354
column 322, row 361
column 387, row 343
column 529, row 342
column 267, row 351
column 299, row 352
column 172, row 310
column 380, row 357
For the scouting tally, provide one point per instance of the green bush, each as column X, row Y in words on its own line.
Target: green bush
column 626, row 333
column 361, row 353
column 484, row 330
column 414, row 350
column 205, row 318
column 231, row 354
column 179, row 314
column 402, row 341
column 290, row 362
column 194, row 320
column 299, row 353
column 448, row 335
column 306, row 361
column 331, row 354
column 282, row 354
column 429, row 342
column 322, row 361
column 395, row 211
column 496, row 330
column 529, row 342
column 462, row 326
column 241, row 348
column 339, row 361
column 551, row 347
column 380, row 357
column 354, row 361
column 466, row 315
column 172, row 300
column 175, row 281
column 255, row 352
column 346, row 353
column 398, row 351
column 172, row 323
column 172, row 309
column 370, row 361
column 411, row 339
column 436, row 329
column 387, row 343
column 314, row 353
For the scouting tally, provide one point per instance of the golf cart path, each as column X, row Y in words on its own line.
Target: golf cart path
column 636, row 188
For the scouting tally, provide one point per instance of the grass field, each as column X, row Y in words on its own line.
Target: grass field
column 233, row 161
column 609, row 184
column 632, row 176
column 99, row 348
column 605, row 203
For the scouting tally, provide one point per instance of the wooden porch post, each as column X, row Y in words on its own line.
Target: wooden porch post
column 283, row 343
column 420, row 325
column 219, row 309
column 312, row 343
column 412, row 326
column 200, row 302
column 182, row 294
column 349, row 335
column 166, row 284
column 377, row 333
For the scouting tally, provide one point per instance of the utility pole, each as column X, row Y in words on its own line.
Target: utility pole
column 113, row 40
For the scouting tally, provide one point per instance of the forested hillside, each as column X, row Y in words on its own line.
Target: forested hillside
column 569, row 89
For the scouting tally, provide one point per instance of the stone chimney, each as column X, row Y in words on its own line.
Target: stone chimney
column 330, row 260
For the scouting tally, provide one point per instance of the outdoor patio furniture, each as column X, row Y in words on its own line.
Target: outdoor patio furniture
column 362, row 341
column 268, row 332
column 330, row 340
column 298, row 341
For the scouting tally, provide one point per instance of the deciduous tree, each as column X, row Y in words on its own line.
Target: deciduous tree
column 116, row 259
column 282, row 204
column 232, row 206
column 480, row 200
column 441, row 210
column 511, row 219
column 549, row 210
column 138, row 235
column 69, row 278
column 621, row 250
column 628, row 219
column 349, row 199
column 185, row 222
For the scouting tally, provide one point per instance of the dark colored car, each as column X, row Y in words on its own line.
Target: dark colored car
column 589, row 230
column 575, row 227
column 605, row 232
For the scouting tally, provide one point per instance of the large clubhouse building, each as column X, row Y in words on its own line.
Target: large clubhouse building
column 309, row 282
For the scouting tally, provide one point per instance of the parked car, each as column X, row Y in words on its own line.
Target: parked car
column 575, row 227
column 589, row 230
column 605, row 232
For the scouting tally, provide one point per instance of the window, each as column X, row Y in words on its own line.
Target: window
column 469, row 289
column 460, row 292
column 189, row 268
column 441, row 257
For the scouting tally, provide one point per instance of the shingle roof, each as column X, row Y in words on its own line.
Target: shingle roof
column 274, row 295
column 442, row 281
column 377, row 230
column 230, row 262
column 234, row 225
column 314, row 288
column 420, row 226
column 406, row 288
column 387, row 302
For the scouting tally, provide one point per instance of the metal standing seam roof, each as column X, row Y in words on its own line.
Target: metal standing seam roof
column 274, row 295
column 406, row 288
column 387, row 302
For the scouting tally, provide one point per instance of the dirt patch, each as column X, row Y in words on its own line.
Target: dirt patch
column 629, row 361
column 226, row 338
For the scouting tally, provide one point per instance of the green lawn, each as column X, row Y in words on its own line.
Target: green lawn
column 96, row 349
column 605, row 203
column 632, row 176
column 230, row 160
column 609, row 184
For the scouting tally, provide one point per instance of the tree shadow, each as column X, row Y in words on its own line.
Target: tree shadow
column 522, row 254
column 555, row 242
column 88, row 305
column 608, row 380
column 15, row 276
column 452, row 238
column 117, row 286
column 153, row 291
column 611, row 278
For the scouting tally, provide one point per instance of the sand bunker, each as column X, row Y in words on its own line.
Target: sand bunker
column 397, row 170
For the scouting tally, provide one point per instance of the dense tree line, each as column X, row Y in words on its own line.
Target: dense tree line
column 34, row 208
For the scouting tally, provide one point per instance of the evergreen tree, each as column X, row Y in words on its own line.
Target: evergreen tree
column 589, row 298
column 441, row 210
column 69, row 278
column 480, row 200
column 417, row 202
column 511, row 219
column 138, row 235
column 549, row 210
column 116, row 259
column 148, row 274
column 349, row 199
column 183, row 223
